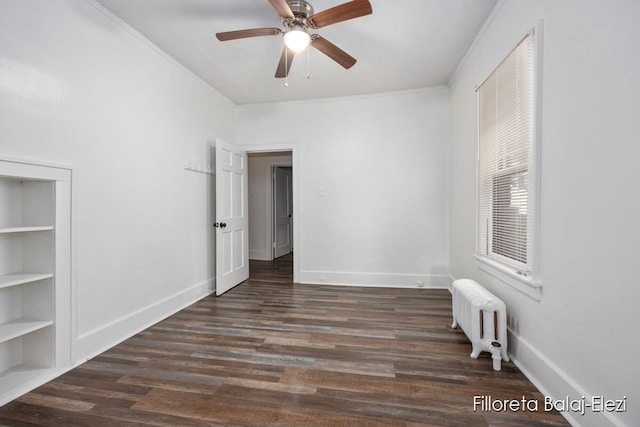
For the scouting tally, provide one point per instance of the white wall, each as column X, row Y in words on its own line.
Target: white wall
column 78, row 87
column 382, row 162
column 581, row 337
column 260, row 202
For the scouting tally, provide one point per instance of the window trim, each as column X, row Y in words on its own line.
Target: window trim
column 510, row 276
column 530, row 285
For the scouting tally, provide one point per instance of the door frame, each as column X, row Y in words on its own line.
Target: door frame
column 295, row 181
column 273, row 209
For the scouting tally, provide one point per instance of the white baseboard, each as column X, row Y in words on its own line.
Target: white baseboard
column 388, row 280
column 259, row 255
column 94, row 342
column 555, row 383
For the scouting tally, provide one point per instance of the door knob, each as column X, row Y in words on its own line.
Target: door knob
column 223, row 224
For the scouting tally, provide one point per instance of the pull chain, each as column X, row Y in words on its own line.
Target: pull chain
column 286, row 66
column 308, row 62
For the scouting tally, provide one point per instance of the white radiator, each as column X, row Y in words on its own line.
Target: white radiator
column 483, row 318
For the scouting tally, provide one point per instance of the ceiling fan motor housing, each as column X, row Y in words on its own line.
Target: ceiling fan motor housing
column 300, row 8
column 301, row 11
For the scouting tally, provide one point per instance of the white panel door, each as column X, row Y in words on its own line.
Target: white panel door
column 232, row 220
column 282, row 211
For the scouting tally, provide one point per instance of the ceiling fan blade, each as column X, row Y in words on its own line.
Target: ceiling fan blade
column 243, row 34
column 343, row 12
column 282, row 8
column 285, row 63
column 333, row 51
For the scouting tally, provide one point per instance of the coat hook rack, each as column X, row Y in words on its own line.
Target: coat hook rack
column 195, row 167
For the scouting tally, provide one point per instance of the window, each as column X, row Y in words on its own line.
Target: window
column 506, row 156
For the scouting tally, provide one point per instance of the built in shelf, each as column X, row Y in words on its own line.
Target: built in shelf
column 20, row 327
column 7, row 230
column 35, row 232
column 16, row 279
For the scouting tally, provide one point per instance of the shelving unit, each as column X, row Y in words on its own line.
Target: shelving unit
column 34, row 274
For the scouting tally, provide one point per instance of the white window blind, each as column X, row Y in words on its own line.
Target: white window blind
column 506, row 143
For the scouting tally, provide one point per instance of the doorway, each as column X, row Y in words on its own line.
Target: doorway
column 272, row 205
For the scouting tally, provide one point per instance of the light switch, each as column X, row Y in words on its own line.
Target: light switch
column 322, row 191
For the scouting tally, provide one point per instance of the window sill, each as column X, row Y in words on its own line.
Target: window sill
column 526, row 285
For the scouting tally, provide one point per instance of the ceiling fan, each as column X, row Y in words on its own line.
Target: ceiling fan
column 298, row 19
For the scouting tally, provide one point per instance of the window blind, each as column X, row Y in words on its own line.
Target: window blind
column 506, row 138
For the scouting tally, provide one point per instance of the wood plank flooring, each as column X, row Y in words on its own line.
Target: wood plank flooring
column 273, row 353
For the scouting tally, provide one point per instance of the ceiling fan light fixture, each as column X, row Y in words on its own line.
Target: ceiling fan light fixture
column 297, row 39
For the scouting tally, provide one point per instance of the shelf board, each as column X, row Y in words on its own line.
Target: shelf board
column 6, row 230
column 20, row 327
column 15, row 279
column 20, row 379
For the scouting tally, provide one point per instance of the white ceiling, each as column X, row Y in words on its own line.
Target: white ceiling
column 404, row 44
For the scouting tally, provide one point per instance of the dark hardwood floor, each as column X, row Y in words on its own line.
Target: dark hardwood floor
column 273, row 353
